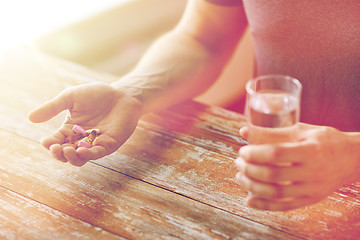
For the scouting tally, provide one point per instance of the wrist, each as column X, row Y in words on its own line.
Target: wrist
column 128, row 94
column 129, row 90
column 142, row 85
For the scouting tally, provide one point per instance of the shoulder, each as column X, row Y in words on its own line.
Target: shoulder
column 225, row 2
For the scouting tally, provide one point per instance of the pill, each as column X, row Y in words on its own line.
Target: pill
column 79, row 130
column 92, row 131
column 91, row 137
column 74, row 138
column 84, row 144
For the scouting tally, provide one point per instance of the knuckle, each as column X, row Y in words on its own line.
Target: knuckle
column 276, row 153
column 272, row 175
column 326, row 132
column 277, row 191
column 267, row 191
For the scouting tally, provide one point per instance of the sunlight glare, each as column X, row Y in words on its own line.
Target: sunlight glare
column 23, row 20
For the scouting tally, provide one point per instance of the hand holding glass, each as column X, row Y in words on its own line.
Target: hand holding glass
column 273, row 108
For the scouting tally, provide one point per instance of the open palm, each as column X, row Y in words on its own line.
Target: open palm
column 95, row 105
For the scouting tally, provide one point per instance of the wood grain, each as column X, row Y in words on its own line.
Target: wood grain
column 113, row 202
column 23, row 218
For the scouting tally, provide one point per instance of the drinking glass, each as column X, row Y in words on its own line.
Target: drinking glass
column 273, row 108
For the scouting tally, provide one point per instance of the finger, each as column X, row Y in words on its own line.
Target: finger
column 276, row 190
column 51, row 108
column 56, row 151
column 244, row 132
column 239, row 178
column 58, row 137
column 284, row 204
column 285, row 154
column 72, row 157
column 270, row 173
column 92, row 153
column 104, row 145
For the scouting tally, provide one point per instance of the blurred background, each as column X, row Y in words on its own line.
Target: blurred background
column 111, row 36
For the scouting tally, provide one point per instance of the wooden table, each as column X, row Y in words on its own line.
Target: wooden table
column 173, row 179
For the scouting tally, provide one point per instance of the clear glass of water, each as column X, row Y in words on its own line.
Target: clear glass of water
column 273, row 108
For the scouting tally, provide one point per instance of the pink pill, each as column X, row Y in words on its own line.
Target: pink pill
column 78, row 129
column 84, row 144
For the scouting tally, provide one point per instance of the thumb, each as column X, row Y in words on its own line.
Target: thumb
column 51, row 108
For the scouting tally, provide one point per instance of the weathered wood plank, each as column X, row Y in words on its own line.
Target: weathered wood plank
column 208, row 177
column 22, row 218
column 212, row 128
column 113, row 201
column 188, row 150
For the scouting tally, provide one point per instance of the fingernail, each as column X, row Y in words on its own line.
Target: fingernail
column 238, row 162
column 239, row 178
column 244, row 152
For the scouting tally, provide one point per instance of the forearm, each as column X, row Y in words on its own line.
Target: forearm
column 175, row 68
column 186, row 61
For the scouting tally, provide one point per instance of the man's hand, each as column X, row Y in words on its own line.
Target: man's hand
column 95, row 105
column 285, row 176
